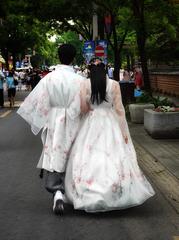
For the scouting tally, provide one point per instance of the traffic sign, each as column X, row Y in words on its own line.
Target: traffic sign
column 99, row 51
column 88, row 50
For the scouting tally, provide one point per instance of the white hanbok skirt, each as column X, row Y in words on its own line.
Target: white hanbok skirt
column 102, row 172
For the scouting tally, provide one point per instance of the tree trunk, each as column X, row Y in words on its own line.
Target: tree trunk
column 117, row 66
column 132, row 60
column 143, row 59
column 101, row 27
column 14, row 60
column 128, row 62
column 138, row 10
column 117, row 57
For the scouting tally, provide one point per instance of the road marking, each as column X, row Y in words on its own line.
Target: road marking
column 5, row 114
column 17, row 104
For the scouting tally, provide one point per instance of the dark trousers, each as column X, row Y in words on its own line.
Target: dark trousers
column 1, row 97
column 54, row 181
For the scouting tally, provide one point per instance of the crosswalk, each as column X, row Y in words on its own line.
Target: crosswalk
column 17, row 104
column 5, row 114
column 7, row 110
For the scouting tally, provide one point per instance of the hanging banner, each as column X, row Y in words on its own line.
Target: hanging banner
column 89, row 50
column 108, row 21
column 103, row 50
column 93, row 49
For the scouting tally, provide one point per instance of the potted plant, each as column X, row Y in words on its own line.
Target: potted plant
column 144, row 101
column 162, row 122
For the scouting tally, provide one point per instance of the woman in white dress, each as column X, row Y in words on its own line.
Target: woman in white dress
column 102, row 172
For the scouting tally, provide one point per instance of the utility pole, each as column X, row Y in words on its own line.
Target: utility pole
column 95, row 23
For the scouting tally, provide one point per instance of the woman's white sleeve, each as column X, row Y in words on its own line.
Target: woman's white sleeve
column 119, row 108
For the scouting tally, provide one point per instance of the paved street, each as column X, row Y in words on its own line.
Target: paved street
column 26, row 208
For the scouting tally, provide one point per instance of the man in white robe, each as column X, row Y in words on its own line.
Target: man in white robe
column 55, row 106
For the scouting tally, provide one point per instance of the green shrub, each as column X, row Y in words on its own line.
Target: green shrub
column 157, row 101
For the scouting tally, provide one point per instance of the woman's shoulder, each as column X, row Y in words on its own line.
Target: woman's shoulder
column 113, row 83
column 88, row 82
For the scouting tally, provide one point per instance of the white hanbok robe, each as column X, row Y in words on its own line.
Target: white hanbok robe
column 54, row 106
column 102, row 172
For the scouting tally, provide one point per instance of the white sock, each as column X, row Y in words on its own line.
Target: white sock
column 58, row 195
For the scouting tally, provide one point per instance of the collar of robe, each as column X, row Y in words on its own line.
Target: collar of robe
column 66, row 67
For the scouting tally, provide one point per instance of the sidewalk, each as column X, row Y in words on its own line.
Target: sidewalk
column 159, row 158
column 166, row 151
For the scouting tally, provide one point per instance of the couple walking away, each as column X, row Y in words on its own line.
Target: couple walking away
column 87, row 149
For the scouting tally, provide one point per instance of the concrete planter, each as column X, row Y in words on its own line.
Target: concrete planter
column 161, row 124
column 137, row 111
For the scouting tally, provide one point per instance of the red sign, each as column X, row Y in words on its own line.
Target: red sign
column 99, row 51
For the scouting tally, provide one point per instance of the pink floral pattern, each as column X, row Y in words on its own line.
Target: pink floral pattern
column 54, row 106
column 102, row 171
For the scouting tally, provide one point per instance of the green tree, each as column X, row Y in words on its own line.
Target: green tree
column 156, row 31
column 19, row 32
column 80, row 13
column 131, row 20
column 120, row 26
column 163, row 34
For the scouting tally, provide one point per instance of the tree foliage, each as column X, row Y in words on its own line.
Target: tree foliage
column 136, row 30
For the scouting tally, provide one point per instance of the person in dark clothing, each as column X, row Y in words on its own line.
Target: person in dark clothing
column 35, row 78
column 1, row 89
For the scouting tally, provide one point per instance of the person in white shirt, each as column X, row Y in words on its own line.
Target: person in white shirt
column 55, row 106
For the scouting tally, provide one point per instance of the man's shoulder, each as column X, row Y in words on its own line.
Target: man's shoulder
column 80, row 77
column 64, row 74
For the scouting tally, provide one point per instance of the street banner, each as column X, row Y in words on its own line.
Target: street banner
column 108, row 21
column 98, row 49
column 104, row 45
column 89, row 50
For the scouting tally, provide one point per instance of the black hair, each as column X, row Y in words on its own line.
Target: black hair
column 98, row 83
column 66, row 53
column 93, row 60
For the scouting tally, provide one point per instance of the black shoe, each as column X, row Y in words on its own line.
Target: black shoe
column 58, row 207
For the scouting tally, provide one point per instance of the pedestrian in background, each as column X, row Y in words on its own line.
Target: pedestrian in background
column 110, row 71
column 27, row 80
column 138, row 78
column 21, row 80
column 1, row 89
column 11, row 88
column 35, row 78
column 126, row 75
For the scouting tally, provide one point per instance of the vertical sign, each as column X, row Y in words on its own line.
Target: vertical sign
column 103, row 43
column 89, row 50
